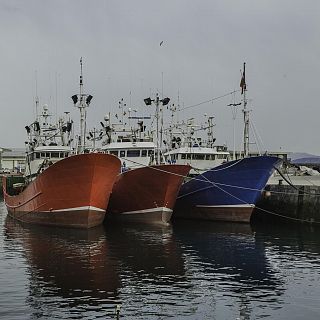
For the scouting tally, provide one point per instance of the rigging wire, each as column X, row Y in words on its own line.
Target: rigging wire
column 255, row 137
column 211, row 100
column 265, row 210
column 218, row 185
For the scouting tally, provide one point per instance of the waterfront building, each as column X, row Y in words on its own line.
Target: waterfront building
column 12, row 159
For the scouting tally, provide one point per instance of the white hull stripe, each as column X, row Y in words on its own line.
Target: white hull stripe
column 163, row 209
column 227, row 206
column 77, row 209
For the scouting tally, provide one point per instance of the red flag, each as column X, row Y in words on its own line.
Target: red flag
column 243, row 85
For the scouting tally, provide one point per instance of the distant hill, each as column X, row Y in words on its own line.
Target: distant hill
column 304, row 158
column 301, row 155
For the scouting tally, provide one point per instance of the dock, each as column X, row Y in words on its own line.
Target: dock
column 295, row 199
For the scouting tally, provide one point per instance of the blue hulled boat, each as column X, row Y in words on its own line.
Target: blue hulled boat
column 217, row 188
column 227, row 192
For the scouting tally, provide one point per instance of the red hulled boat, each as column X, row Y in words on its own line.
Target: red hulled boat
column 147, row 188
column 62, row 186
column 147, row 194
column 73, row 192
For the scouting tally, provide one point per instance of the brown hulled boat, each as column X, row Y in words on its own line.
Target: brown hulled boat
column 73, row 192
column 147, row 194
column 63, row 185
column 147, row 188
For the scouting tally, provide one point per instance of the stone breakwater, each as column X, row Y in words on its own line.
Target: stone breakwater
column 298, row 200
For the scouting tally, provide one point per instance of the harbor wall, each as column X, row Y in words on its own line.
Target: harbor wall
column 300, row 203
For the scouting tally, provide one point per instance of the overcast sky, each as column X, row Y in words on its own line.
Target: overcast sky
column 204, row 46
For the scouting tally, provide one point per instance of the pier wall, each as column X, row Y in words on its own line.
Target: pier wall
column 301, row 202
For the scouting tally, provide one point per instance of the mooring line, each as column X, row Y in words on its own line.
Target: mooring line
column 265, row 210
column 224, row 184
column 293, row 186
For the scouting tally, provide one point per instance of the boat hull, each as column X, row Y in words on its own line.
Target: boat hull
column 147, row 194
column 74, row 192
column 228, row 192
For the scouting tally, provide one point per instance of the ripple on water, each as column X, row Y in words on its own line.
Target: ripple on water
column 188, row 271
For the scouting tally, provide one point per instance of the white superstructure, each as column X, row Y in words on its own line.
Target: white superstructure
column 186, row 147
column 47, row 143
column 131, row 143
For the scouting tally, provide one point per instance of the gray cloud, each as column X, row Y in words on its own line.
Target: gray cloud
column 205, row 44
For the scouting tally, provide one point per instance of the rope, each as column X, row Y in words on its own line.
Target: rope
column 224, row 184
column 265, row 210
column 217, row 185
column 213, row 99
column 286, row 217
column 293, row 186
column 304, row 177
column 226, row 167
column 215, row 170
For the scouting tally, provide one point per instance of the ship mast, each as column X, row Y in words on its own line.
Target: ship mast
column 82, row 101
column 158, row 116
column 210, row 132
column 245, row 113
column 37, row 98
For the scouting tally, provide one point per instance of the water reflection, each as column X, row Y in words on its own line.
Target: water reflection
column 233, row 261
column 191, row 270
column 152, row 270
column 290, row 238
column 89, row 272
column 147, row 249
column 68, row 269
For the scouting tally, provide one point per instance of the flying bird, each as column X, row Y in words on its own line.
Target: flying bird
column 161, row 43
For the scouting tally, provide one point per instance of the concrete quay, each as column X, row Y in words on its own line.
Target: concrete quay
column 296, row 200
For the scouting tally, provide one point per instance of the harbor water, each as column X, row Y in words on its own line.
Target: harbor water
column 189, row 270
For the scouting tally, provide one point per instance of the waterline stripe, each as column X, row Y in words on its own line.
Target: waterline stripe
column 164, row 209
column 227, row 206
column 77, row 209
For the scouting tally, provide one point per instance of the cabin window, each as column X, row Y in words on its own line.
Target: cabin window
column 115, row 152
column 183, row 156
column 198, row 156
column 150, row 153
column 43, row 155
column 47, row 154
column 55, row 155
column 220, row 156
column 37, row 155
column 188, row 156
column 144, row 153
column 122, row 153
column 133, row 153
column 207, row 156
column 213, row 157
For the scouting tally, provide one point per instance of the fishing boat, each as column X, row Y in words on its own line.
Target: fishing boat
column 228, row 192
column 147, row 188
column 218, row 189
column 61, row 186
